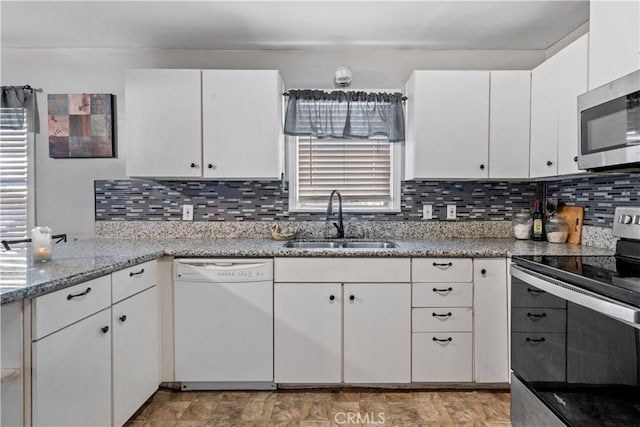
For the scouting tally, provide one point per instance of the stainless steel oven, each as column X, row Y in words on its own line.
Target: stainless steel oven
column 575, row 335
column 609, row 125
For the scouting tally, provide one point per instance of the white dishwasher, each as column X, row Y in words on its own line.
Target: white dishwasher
column 223, row 323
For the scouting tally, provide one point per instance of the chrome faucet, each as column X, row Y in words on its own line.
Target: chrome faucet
column 339, row 225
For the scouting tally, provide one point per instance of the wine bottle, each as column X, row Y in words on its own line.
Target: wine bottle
column 538, row 222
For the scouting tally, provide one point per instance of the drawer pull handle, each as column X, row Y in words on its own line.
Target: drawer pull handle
column 536, row 340
column 535, row 292
column 534, row 316
column 442, row 291
column 443, row 265
column 137, row 273
column 448, row 340
column 123, row 318
column 104, row 329
column 447, row 315
column 81, row 294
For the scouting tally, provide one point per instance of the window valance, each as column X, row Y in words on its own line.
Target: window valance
column 341, row 114
column 20, row 97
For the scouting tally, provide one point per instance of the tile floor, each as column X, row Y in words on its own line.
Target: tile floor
column 345, row 407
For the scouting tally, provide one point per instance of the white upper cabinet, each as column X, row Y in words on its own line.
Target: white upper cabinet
column 555, row 86
column 242, row 123
column 614, row 40
column 163, row 116
column 509, row 124
column 224, row 124
column 447, row 124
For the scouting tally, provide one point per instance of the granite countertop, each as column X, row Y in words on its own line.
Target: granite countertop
column 75, row 262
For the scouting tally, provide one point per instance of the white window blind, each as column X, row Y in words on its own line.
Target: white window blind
column 362, row 170
column 14, row 182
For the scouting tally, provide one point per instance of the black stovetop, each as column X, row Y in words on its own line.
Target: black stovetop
column 610, row 276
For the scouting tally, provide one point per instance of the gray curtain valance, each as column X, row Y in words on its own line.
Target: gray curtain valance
column 22, row 97
column 340, row 114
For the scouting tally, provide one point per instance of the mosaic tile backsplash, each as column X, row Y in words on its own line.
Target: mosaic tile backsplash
column 161, row 200
column 599, row 195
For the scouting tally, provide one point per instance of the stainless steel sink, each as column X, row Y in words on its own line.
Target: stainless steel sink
column 339, row 245
column 313, row 245
column 368, row 245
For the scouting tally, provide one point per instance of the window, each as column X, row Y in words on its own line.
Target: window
column 14, row 174
column 364, row 171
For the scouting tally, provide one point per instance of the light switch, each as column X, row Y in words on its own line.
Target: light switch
column 427, row 211
column 187, row 212
column 451, row 211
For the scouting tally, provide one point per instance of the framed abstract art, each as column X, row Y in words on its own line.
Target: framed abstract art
column 81, row 125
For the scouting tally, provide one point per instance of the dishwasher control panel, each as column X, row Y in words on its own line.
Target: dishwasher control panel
column 223, row 270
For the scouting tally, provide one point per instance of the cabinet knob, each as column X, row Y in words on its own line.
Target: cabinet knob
column 549, row 162
column 575, row 159
column 211, row 166
column 483, row 272
column 104, row 329
column 123, row 318
column 332, row 297
column 193, row 166
column 352, row 298
column 482, row 167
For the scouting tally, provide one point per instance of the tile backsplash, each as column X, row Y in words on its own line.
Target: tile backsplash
column 161, row 200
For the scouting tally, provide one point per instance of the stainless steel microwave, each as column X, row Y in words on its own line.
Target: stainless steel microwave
column 609, row 125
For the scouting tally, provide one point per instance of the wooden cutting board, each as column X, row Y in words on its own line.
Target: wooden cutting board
column 574, row 216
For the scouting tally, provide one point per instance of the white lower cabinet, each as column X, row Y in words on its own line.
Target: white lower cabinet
column 72, row 374
column 135, row 353
column 377, row 332
column 308, row 332
column 442, row 357
column 491, row 323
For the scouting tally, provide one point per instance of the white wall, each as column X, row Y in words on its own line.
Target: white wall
column 64, row 187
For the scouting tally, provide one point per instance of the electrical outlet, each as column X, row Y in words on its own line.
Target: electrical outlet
column 451, row 211
column 187, row 212
column 427, row 211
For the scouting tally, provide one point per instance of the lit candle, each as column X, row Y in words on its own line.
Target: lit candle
column 41, row 243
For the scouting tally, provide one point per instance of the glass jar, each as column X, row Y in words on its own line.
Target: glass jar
column 522, row 224
column 557, row 230
column 41, row 245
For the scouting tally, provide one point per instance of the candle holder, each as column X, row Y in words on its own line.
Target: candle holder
column 41, row 245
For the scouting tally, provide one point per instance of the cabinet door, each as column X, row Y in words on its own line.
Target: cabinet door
column 242, row 123
column 491, row 328
column 135, row 353
column 163, row 123
column 377, row 333
column 544, row 120
column 572, row 74
column 308, row 332
column 614, row 40
column 72, row 374
column 11, row 370
column 509, row 124
column 450, row 124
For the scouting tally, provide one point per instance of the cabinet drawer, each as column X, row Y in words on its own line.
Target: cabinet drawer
column 442, row 270
column 342, row 270
column 442, row 319
column 539, row 320
column 442, row 295
column 134, row 279
column 524, row 295
column 539, row 356
column 61, row 308
column 449, row 360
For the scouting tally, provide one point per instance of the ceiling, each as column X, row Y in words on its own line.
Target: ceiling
column 302, row 25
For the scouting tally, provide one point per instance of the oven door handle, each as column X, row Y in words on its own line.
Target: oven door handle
column 574, row 294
